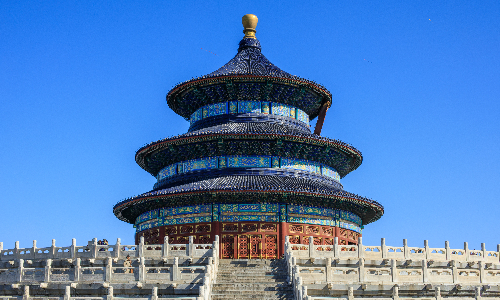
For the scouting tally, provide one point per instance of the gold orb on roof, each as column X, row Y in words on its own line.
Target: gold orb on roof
column 249, row 24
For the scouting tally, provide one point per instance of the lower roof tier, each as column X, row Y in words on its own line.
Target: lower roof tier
column 249, row 139
column 250, row 189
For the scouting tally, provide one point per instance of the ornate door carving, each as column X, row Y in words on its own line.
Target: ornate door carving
column 256, row 246
column 271, row 246
column 227, row 246
column 243, row 246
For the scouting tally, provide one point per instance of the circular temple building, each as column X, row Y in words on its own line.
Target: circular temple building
column 249, row 169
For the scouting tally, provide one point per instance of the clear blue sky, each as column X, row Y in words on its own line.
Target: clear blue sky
column 416, row 88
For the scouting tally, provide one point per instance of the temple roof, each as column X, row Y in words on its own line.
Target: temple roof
column 337, row 154
column 248, row 68
column 250, row 61
column 234, row 188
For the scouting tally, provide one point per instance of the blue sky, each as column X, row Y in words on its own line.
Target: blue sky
column 416, row 88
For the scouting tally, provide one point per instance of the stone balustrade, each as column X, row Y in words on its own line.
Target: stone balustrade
column 93, row 250
column 177, row 268
column 388, row 252
column 350, row 270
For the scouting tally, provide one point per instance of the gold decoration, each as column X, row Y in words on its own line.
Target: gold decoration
column 249, row 23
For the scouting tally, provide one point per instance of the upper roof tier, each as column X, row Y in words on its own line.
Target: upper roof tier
column 248, row 76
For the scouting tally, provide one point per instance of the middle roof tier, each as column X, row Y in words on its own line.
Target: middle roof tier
column 250, row 139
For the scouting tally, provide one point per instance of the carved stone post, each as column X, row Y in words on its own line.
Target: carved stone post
column 361, row 270
column 117, row 248
column 142, row 269
column 350, row 293
column 438, row 293
column 175, row 269
column 33, row 250
column 53, row 248
column 109, row 269
column 48, row 266
column 20, row 270
column 191, row 247
column 394, row 270
column 218, row 248
column 299, row 288
column 395, row 293
column 447, row 250
column 483, row 250
column 165, row 248
column 110, row 293
column 26, row 294
column 478, row 293
column 383, row 248
column 67, row 292
column 140, row 248
column 77, row 269
column 154, row 293
column 72, row 250
column 1, row 246
column 16, row 249
column 295, row 275
column 426, row 246
column 482, row 275
column 311, row 247
column 405, row 249
column 336, row 249
column 201, row 292
column 454, row 271
column 94, row 248
column 361, row 252
column 424, row 270
column 466, row 248
column 328, row 269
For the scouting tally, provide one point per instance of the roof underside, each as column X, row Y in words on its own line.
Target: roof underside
column 234, row 189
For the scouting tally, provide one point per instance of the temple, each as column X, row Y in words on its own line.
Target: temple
column 249, row 169
column 247, row 184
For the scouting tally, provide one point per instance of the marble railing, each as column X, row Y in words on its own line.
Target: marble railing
column 187, row 265
column 93, row 250
column 387, row 252
column 335, row 269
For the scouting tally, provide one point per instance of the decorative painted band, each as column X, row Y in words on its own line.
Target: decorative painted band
column 238, row 107
column 240, row 161
column 264, row 212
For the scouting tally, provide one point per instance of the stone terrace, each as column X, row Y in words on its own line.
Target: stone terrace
column 95, row 271
column 386, row 272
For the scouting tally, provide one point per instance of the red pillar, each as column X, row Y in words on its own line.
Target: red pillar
column 283, row 232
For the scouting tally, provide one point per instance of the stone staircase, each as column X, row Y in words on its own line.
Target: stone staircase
column 256, row 279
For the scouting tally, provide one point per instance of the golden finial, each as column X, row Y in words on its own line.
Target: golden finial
column 249, row 23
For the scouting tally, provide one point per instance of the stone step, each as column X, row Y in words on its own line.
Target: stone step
column 252, row 293
column 263, row 284
column 262, row 275
column 253, row 279
column 253, row 269
column 254, row 297
column 256, row 280
column 257, row 275
column 250, row 272
column 260, row 278
column 250, row 288
column 229, row 267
